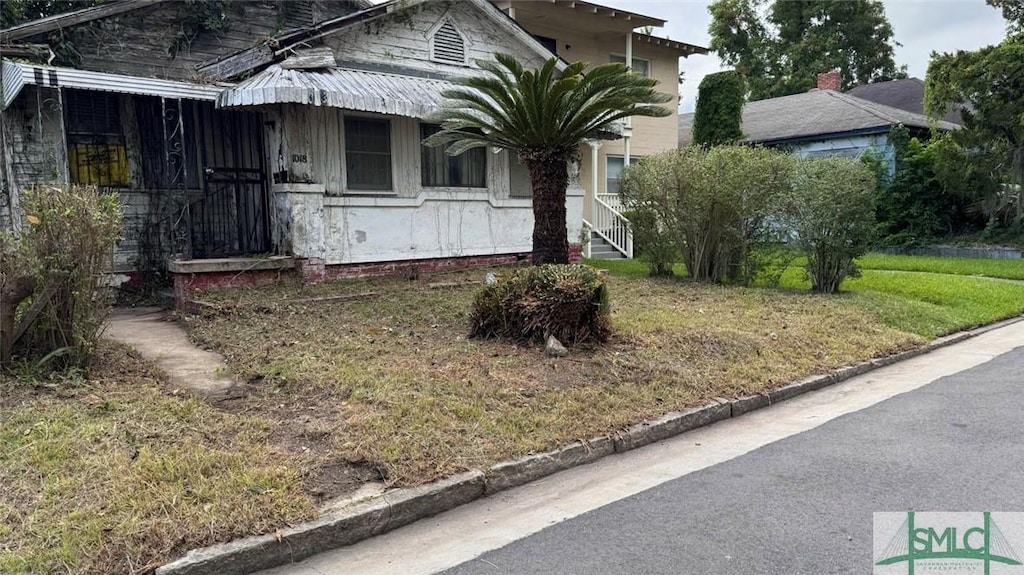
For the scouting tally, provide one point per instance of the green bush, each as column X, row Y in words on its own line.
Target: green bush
column 713, row 207
column 64, row 246
column 569, row 302
column 718, row 117
column 832, row 217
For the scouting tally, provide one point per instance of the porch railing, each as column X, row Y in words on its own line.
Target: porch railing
column 612, row 200
column 609, row 223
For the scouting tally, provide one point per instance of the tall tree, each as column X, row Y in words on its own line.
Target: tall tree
column 544, row 117
column 989, row 86
column 780, row 46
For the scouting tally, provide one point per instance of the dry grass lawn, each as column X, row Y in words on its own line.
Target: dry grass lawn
column 375, row 379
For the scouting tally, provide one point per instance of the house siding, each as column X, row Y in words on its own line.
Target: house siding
column 138, row 43
column 403, row 39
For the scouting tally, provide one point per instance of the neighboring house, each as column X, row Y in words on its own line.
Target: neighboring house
column 577, row 30
column 824, row 121
column 906, row 94
column 314, row 155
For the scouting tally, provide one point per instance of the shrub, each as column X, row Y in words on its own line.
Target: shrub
column 569, row 302
column 713, row 207
column 832, row 215
column 719, row 114
column 65, row 246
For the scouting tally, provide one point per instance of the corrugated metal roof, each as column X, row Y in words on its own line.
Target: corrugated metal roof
column 359, row 90
column 16, row 75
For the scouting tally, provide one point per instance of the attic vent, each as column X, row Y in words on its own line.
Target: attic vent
column 448, row 45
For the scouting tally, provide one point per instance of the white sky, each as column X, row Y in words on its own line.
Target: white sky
column 922, row 26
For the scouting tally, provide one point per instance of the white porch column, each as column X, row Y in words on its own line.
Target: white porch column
column 629, row 121
column 595, row 145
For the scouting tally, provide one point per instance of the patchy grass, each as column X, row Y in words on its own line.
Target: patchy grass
column 1008, row 269
column 375, row 378
column 116, row 475
column 399, row 386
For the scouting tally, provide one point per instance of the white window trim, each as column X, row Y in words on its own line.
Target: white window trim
column 433, row 32
column 650, row 63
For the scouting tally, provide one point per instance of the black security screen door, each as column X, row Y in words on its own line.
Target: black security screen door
column 230, row 216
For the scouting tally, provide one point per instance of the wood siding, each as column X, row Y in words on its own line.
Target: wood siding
column 138, row 43
column 403, row 39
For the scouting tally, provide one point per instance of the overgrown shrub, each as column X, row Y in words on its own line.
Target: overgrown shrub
column 832, row 216
column 718, row 117
column 64, row 246
column 713, row 207
column 914, row 205
column 569, row 302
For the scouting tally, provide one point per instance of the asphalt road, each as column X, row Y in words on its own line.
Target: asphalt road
column 804, row 504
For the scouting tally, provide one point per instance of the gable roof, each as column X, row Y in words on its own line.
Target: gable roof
column 905, row 94
column 257, row 57
column 817, row 114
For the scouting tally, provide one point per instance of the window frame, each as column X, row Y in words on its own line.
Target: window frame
column 632, row 161
column 616, row 57
column 422, row 127
column 346, row 139
column 111, row 142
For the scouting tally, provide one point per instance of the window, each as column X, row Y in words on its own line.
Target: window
column 447, row 44
column 641, row 66
column 613, row 169
column 549, row 43
column 368, row 153
column 438, row 169
column 96, row 147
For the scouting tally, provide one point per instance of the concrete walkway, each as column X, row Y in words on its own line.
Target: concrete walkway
column 157, row 337
column 645, row 511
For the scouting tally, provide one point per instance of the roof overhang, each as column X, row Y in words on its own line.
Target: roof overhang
column 359, row 90
column 16, row 75
column 681, row 48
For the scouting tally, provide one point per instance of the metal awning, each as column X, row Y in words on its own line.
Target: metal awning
column 358, row 90
column 17, row 75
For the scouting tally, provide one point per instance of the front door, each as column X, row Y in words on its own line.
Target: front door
column 230, row 216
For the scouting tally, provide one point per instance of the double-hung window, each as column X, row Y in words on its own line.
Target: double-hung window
column 641, row 66
column 368, row 153
column 613, row 169
column 439, row 170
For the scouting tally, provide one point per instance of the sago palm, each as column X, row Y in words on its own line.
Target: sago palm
column 543, row 116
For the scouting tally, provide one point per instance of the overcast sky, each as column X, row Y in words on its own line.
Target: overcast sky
column 921, row 26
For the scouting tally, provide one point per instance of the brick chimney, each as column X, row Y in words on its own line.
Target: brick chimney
column 830, row 81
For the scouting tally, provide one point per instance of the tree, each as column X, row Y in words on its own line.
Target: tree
column 544, row 117
column 989, row 86
column 14, row 12
column 781, row 47
column 719, row 114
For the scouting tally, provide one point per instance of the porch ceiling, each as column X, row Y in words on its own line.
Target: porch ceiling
column 359, row 90
column 17, row 75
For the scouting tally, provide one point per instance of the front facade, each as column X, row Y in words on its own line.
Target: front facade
column 289, row 141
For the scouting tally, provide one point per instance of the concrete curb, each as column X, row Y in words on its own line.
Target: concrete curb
column 393, row 509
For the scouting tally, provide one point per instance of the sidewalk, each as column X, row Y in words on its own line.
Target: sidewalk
column 158, row 338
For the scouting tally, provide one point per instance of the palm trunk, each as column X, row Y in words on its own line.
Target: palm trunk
column 549, row 176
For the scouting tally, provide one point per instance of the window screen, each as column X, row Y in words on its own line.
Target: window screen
column 368, row 153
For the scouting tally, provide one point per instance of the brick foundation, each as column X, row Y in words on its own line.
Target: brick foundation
column 415, row 267
column 575, row 253
column 185, row 285
column 314, row 271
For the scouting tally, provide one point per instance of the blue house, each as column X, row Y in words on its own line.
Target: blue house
column 824, row 122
